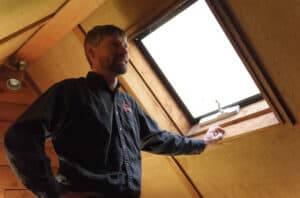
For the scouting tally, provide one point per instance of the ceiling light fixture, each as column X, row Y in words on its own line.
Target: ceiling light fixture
column 15, row 79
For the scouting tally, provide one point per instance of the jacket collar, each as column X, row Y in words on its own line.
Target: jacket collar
column 96, row 81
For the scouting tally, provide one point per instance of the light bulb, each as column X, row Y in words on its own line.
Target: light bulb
column 13, row 84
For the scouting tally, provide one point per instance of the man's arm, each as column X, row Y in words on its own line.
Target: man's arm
column 160, row 141
column 24, row 142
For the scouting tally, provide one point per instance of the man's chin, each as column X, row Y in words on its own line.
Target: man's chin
column 120, row 70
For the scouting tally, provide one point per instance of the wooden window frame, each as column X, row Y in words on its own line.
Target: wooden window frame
column 274, row 112
column 182, row 104
column 250, row 117
column 251, row 61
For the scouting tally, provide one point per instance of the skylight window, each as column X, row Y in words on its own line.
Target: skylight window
column 194, row 55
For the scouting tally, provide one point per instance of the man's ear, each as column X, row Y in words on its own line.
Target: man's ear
column 89, row 51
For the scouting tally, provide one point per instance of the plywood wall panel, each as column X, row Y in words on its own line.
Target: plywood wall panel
column 64, row 60
column 10, row 46
column 260, row 164
column 272, row 27
column 72, row 13
column 162, row 178
column 15, row 15
column 129, row 15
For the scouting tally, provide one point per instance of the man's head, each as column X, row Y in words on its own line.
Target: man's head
column 106, row 49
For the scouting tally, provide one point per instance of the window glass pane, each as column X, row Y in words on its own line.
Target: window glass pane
column 198, row 60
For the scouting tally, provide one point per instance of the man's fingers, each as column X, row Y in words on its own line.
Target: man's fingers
column 214, row 134
column 220, row 129
column 219, row 136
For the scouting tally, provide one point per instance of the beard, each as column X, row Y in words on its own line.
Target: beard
column 116, row 64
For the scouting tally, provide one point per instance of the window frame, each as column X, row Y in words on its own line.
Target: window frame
column 162, row 76
column 242, row 45
column 277, row 112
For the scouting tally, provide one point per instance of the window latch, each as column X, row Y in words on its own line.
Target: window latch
column 220, row 109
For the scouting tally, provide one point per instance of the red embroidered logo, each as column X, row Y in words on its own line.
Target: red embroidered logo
column 127, row 108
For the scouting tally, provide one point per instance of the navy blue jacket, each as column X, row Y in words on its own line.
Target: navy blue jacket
column 97, row 134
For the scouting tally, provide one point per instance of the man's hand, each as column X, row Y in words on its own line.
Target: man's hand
column 213, row 135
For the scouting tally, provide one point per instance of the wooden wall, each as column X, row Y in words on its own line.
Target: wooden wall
column 263, row 163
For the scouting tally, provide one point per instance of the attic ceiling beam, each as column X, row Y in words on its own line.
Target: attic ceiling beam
column 21, row 31
column 59, row 25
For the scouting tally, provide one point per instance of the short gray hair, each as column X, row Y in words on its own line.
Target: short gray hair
column 96, row 34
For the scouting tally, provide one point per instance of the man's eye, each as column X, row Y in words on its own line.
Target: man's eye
column 115, row 44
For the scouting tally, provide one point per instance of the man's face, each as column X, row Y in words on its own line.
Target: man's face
column 111, row 55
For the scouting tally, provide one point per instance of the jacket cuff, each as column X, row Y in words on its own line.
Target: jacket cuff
column 198, row 145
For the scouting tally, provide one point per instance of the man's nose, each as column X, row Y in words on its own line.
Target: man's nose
column 123, row 50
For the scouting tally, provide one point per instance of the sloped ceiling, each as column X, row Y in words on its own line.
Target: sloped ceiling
column 260, row 164
column 16, row 15
column 20, row 20
column 10, row 46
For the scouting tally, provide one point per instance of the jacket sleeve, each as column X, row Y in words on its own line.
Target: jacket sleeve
column 24, row 142
column 156, row 140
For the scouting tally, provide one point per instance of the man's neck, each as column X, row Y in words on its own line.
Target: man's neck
column 112, row 82
column 110, row 79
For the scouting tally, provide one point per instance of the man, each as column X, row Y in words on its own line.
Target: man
column 97, row 131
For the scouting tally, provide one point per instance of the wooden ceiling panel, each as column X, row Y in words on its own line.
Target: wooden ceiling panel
column 64, row 60
column 66, row 19
column 129, row 15
column 10, row 46
column 162, row 178
column 261, row 164
column 15, row 14
column 272, row 31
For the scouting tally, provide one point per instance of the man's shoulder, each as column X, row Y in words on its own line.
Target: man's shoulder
column 68, row 85
column 69, row 82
